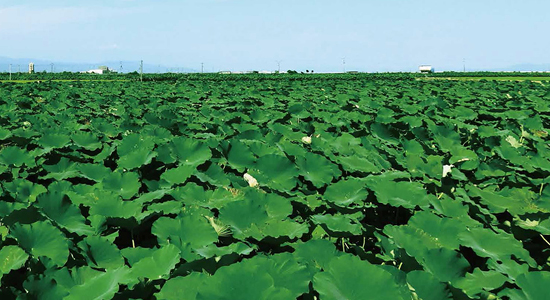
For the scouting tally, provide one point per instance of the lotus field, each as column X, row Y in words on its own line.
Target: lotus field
column 289, row 187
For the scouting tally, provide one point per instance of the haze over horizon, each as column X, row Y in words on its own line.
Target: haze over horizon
column 394, row 35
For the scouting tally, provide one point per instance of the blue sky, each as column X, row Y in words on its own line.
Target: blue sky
column 389, row 35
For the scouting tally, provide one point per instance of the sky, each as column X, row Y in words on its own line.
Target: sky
column 239, row 35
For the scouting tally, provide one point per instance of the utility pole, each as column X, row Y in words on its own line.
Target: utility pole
column 463, row 65
column 202, row 67
column 10, row 72
column 120, row 71
column 141, row 71
column 51, row 65
column 279, row 66
column 344, row 64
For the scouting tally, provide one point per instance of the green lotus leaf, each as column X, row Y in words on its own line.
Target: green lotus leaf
column 45, row 287
column 344, row 193
column 419, row 166
column 385, row 116
column 358, row 164
column 446, row 137
column 292, row 149
column 384, row 133
column 183, row 288
column 133, row 255
column 188, row 233
column 276, row 172
column 101, row 253
column 158, row 265
column 537, row 224
column 53, row 140
column 168, row 207
column 111, row 205
column 298, row 110
column 214, row 175
column 94, row 172
column 190, row 152
column 3, row 232
column 241, row 215
column 277, row 207
column 15, row 156
column 64, row 169
column 212, row 250
column 345, row 144
column 445, row 230
column 286, row 272
column 59, row 209
column 544, row 200
column 400, row 193
column 125, row 184
column 317, row 169
column 178, row 175
column 42, row 240
column 446, row 265
column 136, row 158
column 99, row 285
column 415, row 241
column 5, row 134
column 348, row 277
column 134, row 142
column 534, row 286
column 23, row 190
column 467, row 159
column 256, row 278
column 427, row 287
column 339, row 223
column 479, row 281
column 86, row 140
column 501, row 246
column 277, row 228
column 193, row 194
column 240, row 157
column 260, row 148
column 11, row 258
column 316, row 253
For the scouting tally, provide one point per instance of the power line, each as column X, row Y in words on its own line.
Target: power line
column 141, row 70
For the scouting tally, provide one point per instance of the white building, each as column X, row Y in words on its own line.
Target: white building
column 426, row 69
column 101, row 70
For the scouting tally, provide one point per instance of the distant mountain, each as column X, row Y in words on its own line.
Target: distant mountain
column 22, row 65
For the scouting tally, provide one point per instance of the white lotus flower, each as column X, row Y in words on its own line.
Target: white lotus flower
column 447, row 170
column 512, row 140
column 252, row 182
column 306, row 140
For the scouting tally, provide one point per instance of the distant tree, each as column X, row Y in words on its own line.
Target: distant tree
column 291, row 72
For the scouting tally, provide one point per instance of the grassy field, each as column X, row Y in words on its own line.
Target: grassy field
column 505, row 78
column 65, row 80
